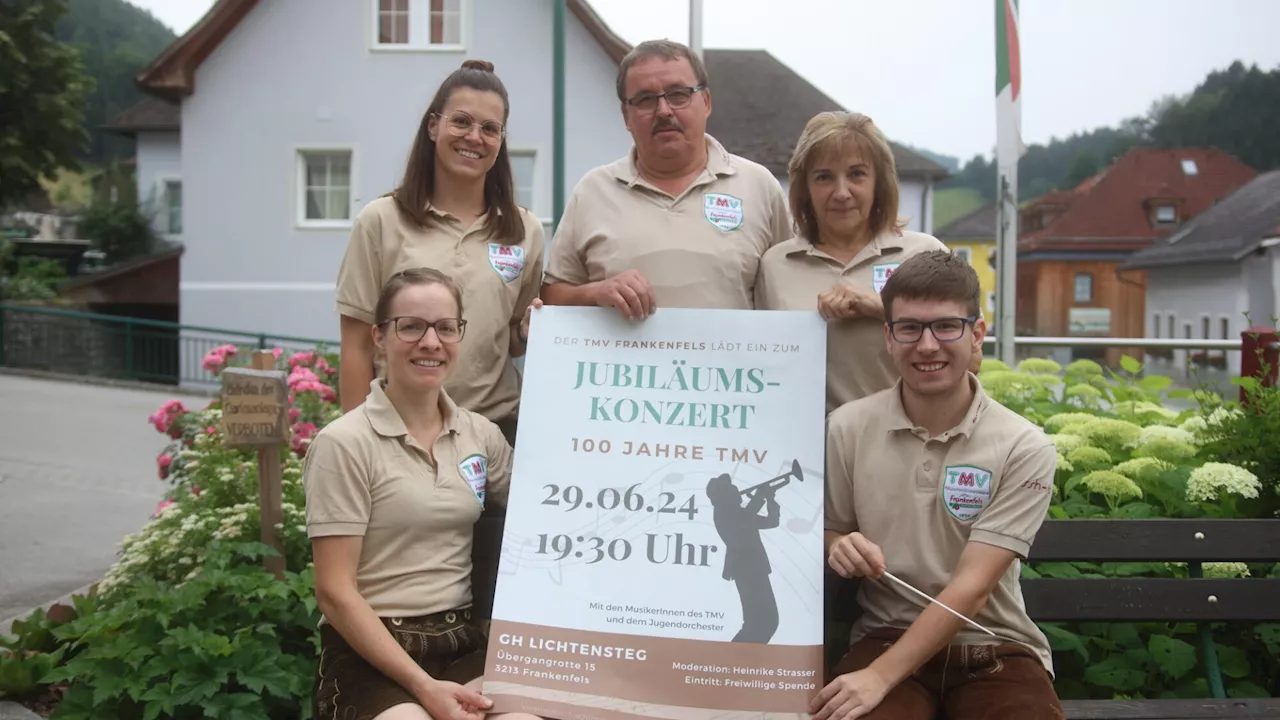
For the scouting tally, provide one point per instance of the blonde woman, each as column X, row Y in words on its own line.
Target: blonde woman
column 844, row 198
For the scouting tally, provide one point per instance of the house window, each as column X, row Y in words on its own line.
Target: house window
column 324, row 185
column 393, row 22
column 964, row 253
column 1204, row 326
column 1155, row 325
column 418, row 24
column 1226, row 328
column 1166, row 214
column 173, row 206
column 1084, row 287
column 522, row 168
column 1189, row 167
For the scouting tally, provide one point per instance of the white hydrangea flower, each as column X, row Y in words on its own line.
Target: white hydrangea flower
column 1141, row 467
column 1194, row 425
column 1065, row 443
column 1225, row 570
column 1163, row 432
column 1111, row 484
column 1222, row 414
column 1212, row 478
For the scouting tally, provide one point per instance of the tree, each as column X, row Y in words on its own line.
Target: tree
column 1083, row 167
column 43, row 87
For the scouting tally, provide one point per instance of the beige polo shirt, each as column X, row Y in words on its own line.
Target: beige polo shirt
column 698, row 250
column 498, row 282
column 794, row 273
column 922, row 498
column 365, row 475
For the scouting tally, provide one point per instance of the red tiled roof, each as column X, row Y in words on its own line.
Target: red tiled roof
column 1114, row 208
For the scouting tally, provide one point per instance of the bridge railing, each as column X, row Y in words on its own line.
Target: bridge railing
column 87, row 344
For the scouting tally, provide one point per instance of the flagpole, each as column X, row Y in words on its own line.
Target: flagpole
column 1009, row 149
column 695, row 27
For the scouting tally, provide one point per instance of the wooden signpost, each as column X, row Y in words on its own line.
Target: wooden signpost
column 255, row 411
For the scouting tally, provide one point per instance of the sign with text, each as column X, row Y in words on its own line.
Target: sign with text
column 662, row 554
column 255, row 405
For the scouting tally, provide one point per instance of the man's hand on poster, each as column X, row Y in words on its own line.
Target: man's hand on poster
column 855, row 556
column 629, row 292
column 849, row 696
column 845, row 302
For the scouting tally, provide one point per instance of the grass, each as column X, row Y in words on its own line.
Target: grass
column 953, row 203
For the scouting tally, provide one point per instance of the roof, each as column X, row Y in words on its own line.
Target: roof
column 1112, row 210
column 120, row 269
column 761, row 107
column 150, row 113
column 979, row 224
column 762, row 127
column 1226, row 232
column 172, row 74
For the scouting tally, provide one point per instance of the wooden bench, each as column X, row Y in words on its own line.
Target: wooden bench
column 1197, row 599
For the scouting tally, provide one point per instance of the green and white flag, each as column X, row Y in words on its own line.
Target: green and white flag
column 1009, row 148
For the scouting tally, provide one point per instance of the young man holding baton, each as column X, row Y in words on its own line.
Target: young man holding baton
column 934, row 495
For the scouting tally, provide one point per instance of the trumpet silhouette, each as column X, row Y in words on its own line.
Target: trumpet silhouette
column 785, row 478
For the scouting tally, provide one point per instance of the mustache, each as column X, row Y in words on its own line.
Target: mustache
column 665, row 124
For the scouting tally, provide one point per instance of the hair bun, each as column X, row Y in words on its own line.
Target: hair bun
column 484, row 65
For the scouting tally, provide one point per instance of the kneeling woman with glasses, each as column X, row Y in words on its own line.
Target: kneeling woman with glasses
column 455, row 210
column 394, row 489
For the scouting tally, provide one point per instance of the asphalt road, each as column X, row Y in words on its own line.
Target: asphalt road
column 77, row 474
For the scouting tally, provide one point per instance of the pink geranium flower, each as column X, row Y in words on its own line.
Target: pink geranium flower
column 216, row 359
column 302, row 358
column 162, row 463
column 302, row 434
column 163, row 419
column 160, row 508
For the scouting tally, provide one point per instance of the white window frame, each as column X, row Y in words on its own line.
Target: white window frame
column 515, row 152
column 1075, row 287
column 300, row 219
column 420, row 29
column 160, row 203
column 964, row 252
column 1173, row 215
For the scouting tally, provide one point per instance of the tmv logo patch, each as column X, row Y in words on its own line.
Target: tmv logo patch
column 506, row 260
column 880, row 274
column 475, row 470
column 966, row 490
column 723, row 211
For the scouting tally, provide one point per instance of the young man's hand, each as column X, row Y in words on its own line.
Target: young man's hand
column 855, row 556
column 850, row 696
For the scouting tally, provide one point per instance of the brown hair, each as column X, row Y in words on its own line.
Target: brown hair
column 833, row 134
column 668, row 49
column 414, row 193
column 934, row 275
column 406, row 278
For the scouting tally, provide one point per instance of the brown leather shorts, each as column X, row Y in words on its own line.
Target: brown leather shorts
column 448, row 645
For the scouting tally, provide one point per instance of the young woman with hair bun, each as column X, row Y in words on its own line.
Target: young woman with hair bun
column 454, row 210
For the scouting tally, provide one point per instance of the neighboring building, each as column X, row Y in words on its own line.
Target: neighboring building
column 1203, row 280
column 973, row 237
column 1071, row 243
column 155, row 126
column 280, row 144
column 760, row 107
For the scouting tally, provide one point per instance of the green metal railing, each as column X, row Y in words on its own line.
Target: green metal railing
column 108, row 346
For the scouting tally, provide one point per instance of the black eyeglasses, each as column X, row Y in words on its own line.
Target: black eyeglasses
column 948, row 329
column 412, row 329
column 676, row 98
column 460, row 123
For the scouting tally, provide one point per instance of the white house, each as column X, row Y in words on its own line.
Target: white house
column 272, row 123
column 1204, row 278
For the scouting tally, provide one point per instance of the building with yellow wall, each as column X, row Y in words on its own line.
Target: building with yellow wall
column 974, row 235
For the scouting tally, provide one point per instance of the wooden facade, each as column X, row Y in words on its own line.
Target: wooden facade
column 1047, row 293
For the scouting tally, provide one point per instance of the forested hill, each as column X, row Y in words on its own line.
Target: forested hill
column 1236, row 110
column 117, row 40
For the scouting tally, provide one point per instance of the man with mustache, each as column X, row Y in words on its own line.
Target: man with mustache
column 680, row 221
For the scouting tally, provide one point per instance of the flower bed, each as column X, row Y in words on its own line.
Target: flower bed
column 187, row 623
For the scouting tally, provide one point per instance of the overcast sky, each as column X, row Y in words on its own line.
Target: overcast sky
column 925, row 69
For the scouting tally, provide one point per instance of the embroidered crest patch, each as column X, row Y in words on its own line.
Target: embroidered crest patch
column 880, row 274
column 966, row 490
column 723, row 211
column 506, row 260
column 475, row 470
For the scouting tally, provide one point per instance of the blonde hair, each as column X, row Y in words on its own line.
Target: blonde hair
column 836, row 133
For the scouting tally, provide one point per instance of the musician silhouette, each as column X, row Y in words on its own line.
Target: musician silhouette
column 745, row 561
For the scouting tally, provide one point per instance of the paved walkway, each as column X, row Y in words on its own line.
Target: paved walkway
column 77, row 474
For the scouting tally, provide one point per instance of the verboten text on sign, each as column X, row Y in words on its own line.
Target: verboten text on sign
column 254, row 407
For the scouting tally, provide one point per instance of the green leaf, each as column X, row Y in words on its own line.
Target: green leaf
column 1125, row 635
column 1130, row 364
column 1116, row 672
column 1174, row 657
column 1063, row 640
column 1155, row 383
column 1137, row 509
column 1246, row 689
column 1029, row 572
column 1058, row 570
column 1269, row 633
column 1197, row 688
column 1180, row 394
column 1248, row 383
column 1232, row 661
